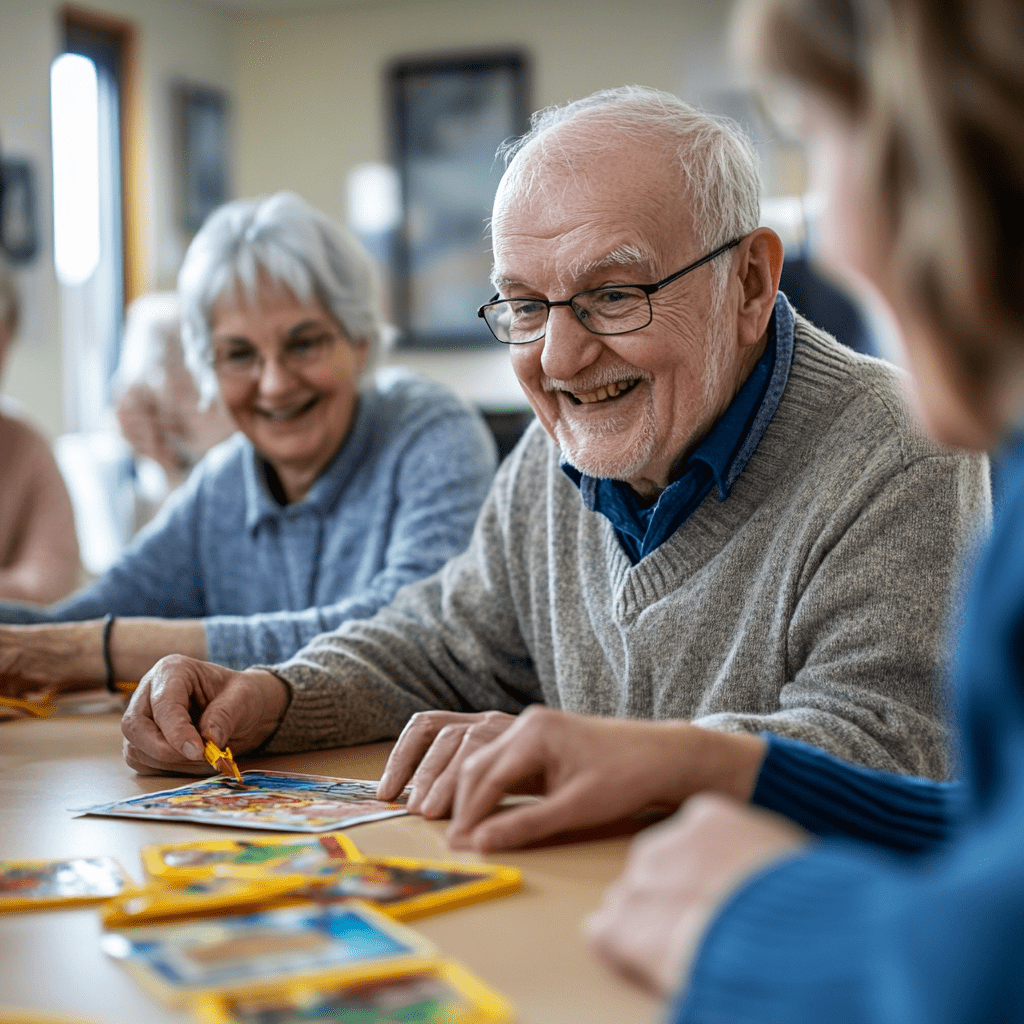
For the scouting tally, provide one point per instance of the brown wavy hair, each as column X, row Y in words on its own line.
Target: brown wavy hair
column 938, row 88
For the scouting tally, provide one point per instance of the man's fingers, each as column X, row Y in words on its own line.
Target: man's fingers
column 517, row 826
column 414, row 742
column 171, row 716
column 433, row 765
column 488, row 775
column 145, row 764
column 222, row 718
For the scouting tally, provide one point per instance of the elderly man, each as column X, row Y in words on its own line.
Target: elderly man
column 723, row 520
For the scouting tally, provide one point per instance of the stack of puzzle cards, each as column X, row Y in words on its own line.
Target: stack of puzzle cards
column 247, row 857
column 405, row 889
column 180, row 960
column 278, row 801
column 442, row 993
column 219, row 875
column 48, row 884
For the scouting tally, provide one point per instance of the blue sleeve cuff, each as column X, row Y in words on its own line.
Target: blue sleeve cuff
column 833, row 798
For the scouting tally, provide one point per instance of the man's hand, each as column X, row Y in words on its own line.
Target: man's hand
column 180, row 701
column 431, row 751
column 592, row 771
column 677, row 876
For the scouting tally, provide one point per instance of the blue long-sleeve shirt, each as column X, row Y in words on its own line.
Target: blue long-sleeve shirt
column 399, row 498
column 850, row 933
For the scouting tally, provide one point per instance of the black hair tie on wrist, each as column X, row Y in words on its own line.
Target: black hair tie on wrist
column 108, row 622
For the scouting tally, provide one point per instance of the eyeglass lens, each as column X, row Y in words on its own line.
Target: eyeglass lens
column 616, row 310
column 238, row 362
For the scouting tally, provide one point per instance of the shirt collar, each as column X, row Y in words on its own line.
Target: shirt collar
column 323, row 496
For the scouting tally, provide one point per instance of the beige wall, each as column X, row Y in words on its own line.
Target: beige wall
column 308, row 104
column 310, row 94
column 310, row 98
column 177, row 40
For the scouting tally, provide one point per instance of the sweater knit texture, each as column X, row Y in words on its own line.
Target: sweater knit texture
column 398, row 499
column 810, row 603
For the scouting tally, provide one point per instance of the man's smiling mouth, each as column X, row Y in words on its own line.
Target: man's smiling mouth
column 290, row 413
column 602, row 394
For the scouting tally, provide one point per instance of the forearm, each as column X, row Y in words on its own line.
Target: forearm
column 718, row 762
column 71, row 654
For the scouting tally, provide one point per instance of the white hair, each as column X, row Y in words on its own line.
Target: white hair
column 295, row 246
column 719, row 170
column 151, row 326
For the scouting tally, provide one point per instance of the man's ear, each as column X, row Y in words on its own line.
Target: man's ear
column 759, row 267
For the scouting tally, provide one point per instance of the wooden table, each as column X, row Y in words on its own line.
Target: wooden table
column 527, row 945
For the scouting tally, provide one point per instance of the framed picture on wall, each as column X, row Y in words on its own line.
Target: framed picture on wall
column 201, row 145
column 449, row 113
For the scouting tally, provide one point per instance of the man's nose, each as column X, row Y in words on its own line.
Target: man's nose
column 568, row 346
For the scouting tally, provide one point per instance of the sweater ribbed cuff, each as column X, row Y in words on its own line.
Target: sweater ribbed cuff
column 833, row 798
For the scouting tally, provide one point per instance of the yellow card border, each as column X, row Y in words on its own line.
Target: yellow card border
column 488, row 1007
column 155, row 867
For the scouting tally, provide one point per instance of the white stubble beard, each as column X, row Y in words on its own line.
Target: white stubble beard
column 587, row 445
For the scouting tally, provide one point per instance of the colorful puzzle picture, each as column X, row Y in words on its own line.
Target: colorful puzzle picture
column 270, row 800
column 406, row 889
column 248, row 857
column 192, row 897
column 184, row 958
column 442, row 994
column 37, row 884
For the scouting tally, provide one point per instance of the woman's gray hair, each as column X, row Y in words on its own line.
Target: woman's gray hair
column 295, row 246
column 718, row 165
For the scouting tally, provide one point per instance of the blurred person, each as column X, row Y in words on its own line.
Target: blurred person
column 915, row 111
column 38, row 548
column 339, row 487
column 157, row 403
column 722, row 516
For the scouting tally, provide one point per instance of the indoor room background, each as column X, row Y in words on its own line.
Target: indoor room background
column 303, row 87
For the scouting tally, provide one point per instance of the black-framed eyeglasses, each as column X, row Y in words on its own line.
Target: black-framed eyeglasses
column 613, row 309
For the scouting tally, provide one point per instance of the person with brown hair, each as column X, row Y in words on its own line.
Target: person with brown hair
column 38, row 546
column 916, row 110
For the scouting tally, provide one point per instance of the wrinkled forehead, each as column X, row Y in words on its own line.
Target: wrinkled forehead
column 629, row 188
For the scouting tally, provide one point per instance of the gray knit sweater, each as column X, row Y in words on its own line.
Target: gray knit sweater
column 810, row 603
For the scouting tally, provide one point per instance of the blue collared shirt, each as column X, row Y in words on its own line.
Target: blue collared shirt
column 717, row 461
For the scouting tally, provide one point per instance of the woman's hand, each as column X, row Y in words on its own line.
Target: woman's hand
column 33, row 657
column 181, row 702
column 677, row 877
column 592, row 772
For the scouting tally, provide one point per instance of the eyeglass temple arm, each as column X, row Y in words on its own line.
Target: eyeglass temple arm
column 650, row 289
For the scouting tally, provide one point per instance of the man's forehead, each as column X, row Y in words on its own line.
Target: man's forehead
column 636, row 256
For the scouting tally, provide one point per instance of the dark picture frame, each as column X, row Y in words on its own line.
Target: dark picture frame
column 19, row 210
column 201, row 148
column 449, row 113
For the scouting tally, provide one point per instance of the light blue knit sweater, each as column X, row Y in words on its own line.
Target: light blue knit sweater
column 399, row 498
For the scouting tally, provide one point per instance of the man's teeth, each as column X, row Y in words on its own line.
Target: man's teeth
column 608, row 391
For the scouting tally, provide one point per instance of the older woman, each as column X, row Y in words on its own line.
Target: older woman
column 338, row 489
column 916, row 108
